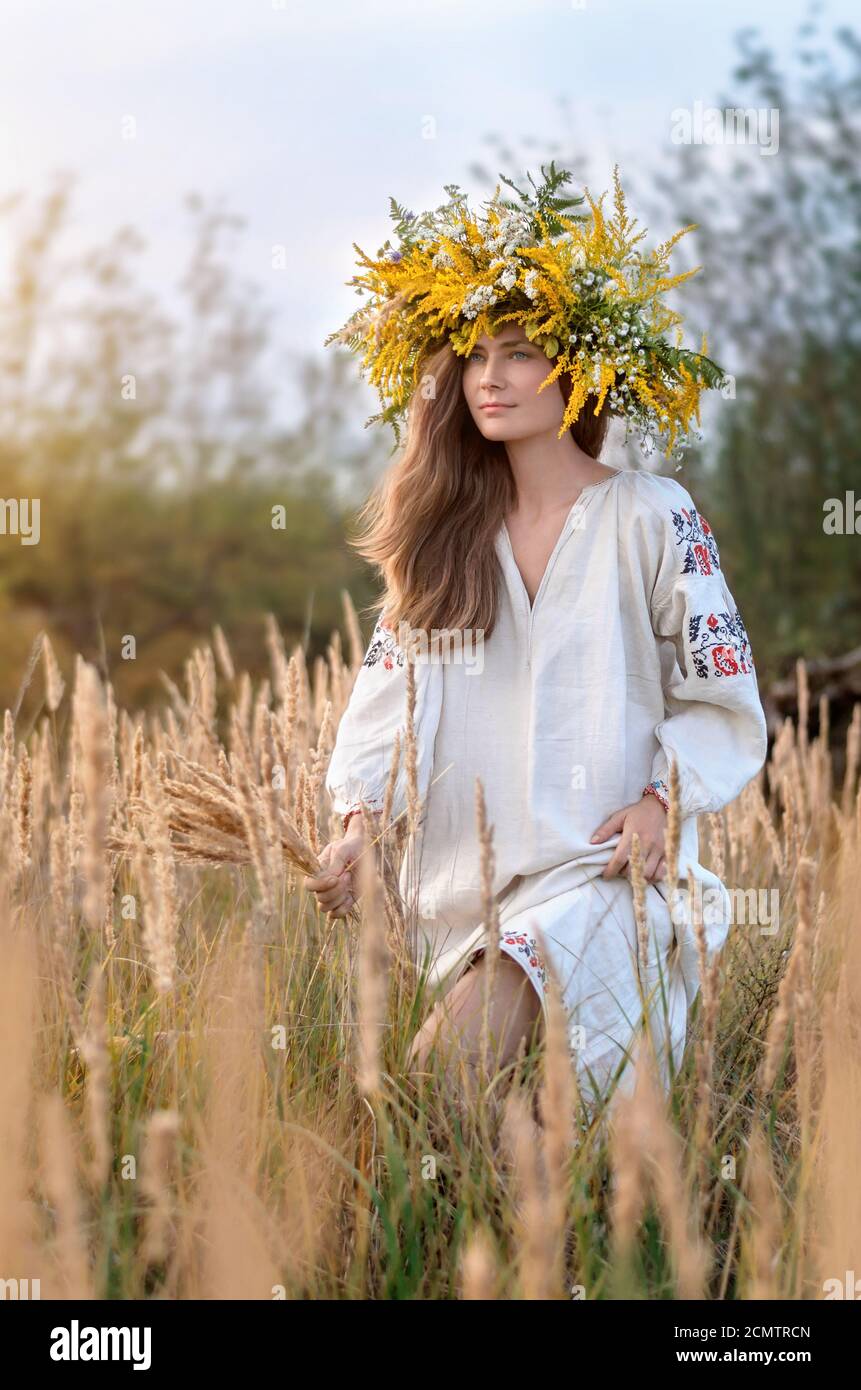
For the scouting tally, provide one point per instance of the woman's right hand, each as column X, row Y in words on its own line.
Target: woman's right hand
column 336, row 891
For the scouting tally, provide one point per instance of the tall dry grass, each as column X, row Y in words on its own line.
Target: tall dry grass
column 202, row 1082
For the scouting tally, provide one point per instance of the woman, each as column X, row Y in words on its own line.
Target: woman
column 605, row 643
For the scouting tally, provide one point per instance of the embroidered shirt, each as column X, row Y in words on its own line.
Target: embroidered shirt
column 634, row 651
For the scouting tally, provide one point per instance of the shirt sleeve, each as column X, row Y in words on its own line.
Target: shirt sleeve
column 361, row 759
column 715, row 728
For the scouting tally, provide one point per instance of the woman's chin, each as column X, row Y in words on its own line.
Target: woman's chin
column 497, row 426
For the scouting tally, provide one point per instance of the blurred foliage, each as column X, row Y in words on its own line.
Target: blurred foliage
column 781, row 292
column 149, row 440
column 149, row 443
column 780, row 298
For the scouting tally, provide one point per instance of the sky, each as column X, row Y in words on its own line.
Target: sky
column 304, row 118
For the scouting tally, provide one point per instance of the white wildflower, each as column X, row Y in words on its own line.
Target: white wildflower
column 529, row 283
column 512, row 231
column 480, row 298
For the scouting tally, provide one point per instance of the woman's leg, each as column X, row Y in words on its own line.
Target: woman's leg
column 454, row 1025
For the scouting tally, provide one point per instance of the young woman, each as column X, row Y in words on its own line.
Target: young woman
column 608, row 644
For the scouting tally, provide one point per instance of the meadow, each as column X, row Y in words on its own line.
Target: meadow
column 202, row 1082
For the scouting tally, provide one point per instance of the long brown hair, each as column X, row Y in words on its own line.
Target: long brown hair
column 433, row 517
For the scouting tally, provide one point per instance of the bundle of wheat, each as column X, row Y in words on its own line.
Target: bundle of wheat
column 212, row 821
column 207, row 820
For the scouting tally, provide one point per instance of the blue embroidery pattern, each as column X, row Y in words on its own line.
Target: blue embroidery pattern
column 527, row 946
column 383, row 647
column 694, row 535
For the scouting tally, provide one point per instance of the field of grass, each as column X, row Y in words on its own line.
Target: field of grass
column 202, row 1083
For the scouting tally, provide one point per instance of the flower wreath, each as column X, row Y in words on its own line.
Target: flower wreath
column 577, row 283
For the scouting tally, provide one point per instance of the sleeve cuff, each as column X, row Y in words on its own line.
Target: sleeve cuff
column 693, row 796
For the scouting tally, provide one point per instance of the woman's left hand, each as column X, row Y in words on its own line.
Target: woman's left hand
column 648, row 818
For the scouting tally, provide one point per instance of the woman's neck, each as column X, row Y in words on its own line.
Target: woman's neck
column 549, row 472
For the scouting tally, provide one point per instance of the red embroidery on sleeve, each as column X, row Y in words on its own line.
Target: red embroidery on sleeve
column 697, row 543
column 720, row 646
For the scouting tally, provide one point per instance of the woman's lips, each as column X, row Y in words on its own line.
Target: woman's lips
column 495, row 405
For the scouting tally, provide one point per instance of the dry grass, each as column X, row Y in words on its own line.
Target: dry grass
column 202, row 1090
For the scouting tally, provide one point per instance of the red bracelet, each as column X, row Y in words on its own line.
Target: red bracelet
column 659, row 789
column 348, row 817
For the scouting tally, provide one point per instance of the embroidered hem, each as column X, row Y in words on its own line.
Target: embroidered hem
column 522, row 948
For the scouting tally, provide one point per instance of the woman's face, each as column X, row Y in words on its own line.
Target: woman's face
column 506, row 371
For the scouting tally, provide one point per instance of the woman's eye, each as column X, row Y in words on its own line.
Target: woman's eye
column 476, row 356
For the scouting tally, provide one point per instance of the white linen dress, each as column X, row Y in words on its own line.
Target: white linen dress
column 633, row 652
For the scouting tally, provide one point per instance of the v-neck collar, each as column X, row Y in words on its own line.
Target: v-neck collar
column 504, row 538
